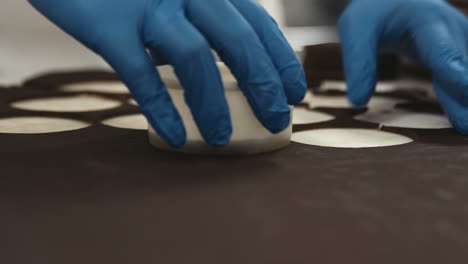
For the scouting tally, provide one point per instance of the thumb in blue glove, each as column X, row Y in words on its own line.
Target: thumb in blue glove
column 431, row 32
column 182, row 33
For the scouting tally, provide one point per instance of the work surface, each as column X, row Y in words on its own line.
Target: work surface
column 103, row 195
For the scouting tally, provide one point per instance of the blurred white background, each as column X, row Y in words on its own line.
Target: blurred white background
column 31, row 45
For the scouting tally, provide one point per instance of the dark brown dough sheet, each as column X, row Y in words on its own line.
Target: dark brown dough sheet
column 104, row 195
column 462, row 5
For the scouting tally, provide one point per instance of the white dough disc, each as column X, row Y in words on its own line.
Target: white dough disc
column 349, row 138
column 406, row 119
column 133, row 102
column 172, row 82
column 97, row 86
column 82, row 103
column 136, row 121
column 308, row 98
column 403, row 84
column 39, row 125
column 305, row 116
column 382, row 86
column 376, row 103
column 248, row 134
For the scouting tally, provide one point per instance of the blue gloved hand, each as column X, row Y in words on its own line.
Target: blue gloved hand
column 181, row 33
column 431, row 32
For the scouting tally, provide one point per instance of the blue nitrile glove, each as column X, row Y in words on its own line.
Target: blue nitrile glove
column 181, row 33
column 431, row 32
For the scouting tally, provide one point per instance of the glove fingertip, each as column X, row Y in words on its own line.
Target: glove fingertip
column 218, row 132
column 359, row 99
column 277, row 122
column 171, row 130
column 461, row 125
column 296, row 91
column 360, row 88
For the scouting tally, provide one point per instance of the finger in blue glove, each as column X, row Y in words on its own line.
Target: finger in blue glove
column 431, row 32
column 183, row 33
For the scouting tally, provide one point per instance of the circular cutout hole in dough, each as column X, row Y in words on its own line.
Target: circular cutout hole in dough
column 135, row 121
column 305, row 116
column 81, row 103
column 112, row 87
column 349, row 138
column 39, row 125
column 406, row 119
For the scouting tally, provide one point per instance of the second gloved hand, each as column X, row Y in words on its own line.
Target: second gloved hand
column 182, row 33
column 431, row 32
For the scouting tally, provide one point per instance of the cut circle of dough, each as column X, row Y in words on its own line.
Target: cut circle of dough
column 376, row 102
column 381, row 86
column 80, row 103
column 171, row 81
column 305, row 116
column 135, row 121
column 406, row 119
column 112, row 87
column 39, row 125
column 248, row 134
column 349, row 138
column 132, row 102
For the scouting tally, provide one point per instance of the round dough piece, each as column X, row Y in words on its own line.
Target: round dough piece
column 376, row 103
column 305, row 116
column 39, row 125
column 132, row 102
column 172, row 82
column 81, row 103
column 248, row 134
column 112, row 87
column 349, row 138
column 136, row 121
column 406, row 119
column 382, row 86
column 405, row 84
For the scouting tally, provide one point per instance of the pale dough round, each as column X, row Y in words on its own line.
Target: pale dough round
column 248, row 134
column 382, row 86
column 349, row 138
column 82, row 103
column 406, row 119
column 133, row 102
column 305, row 116
column 113, row 87
column 376, row 103
column 171, row 81
column 404, row 84
column 136, row 121
column 39, row 125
